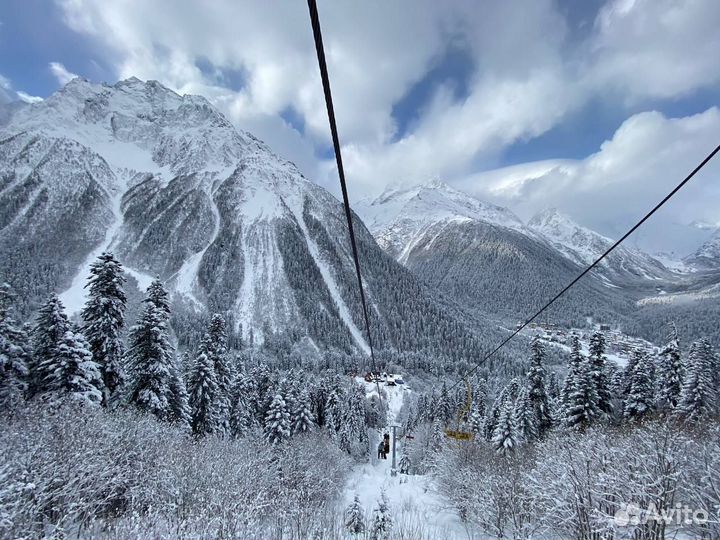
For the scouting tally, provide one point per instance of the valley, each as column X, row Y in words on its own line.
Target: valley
column 184, row 350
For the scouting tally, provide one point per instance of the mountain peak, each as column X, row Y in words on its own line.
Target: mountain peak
column 400, row 216
column 431, row 202
column 708, row 254
column 173, row 189
column 584, row 246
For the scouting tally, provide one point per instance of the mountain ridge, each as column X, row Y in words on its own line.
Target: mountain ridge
column 173, row 189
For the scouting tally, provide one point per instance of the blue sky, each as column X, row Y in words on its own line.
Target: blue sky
column 421, row 90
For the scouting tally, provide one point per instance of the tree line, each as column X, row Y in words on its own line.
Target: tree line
column 56, row 361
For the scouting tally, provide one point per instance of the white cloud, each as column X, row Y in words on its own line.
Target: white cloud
column 9, row 94
column 611, row 189
column 530, row 73
column 27, row 98
column 61, row 73
column 656, row 48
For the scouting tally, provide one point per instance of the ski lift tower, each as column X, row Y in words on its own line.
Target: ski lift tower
column 393, row 469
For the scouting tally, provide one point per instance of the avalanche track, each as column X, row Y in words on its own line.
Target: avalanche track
column 418, row 510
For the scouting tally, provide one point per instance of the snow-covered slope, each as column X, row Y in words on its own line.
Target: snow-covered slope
column 479, row 254
column 401, row 218
column 708, row 255
column 169, row 185
column 584, row 246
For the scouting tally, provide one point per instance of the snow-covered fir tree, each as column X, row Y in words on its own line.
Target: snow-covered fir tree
column 641, row 395
column 179, row 399
column 242, row 417
column 699, row 396
column 505, row 436
column 277, row 421
column 524, row 417
column 669, row 373
column 104, row 317
column 157, row 295
column 15, row 352
column 302, row 420
column 477, row 417
column 214, row 346
column 203, row 399
column 537, row 392
column 355, row 517
column 579, row 397
column 50, row 326
column 72, row 373
column 492, row 418
column 382, row 524
column 334, row 410
column 150, row 363
column 553, row 386
column 444, row 407
column 599, row 373
column 353, row 424
column 437, row 437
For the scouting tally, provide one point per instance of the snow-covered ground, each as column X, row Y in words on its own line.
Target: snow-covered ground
column 417, row 508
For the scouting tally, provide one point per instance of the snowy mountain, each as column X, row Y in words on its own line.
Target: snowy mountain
column 582, row 245
column 402, row 218
column 708, row 255
column 170, row 186
column 479, row 254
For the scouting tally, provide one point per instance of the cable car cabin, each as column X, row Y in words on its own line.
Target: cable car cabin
column 459, row 435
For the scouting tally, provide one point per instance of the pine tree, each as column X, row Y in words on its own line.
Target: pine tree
column 437, row 437
column 72, row 372
column 491, row 420
column 553, row 387
column 579, row 395
column 382, row 524
column 50, row 327
column 524, row 417
column 355, row 517
column 302, row 421
column 15, row 353
column 699, row 396
column 277, row 421
column 505, row 436
column 179, row 399
column 445, row 408
column 242, row 418
column 150, row 364
column 640, row 396
column 599, row 373
column 477, row 417
column 204, row 391
column 157, row 295
column 536, row 389
column 334, row 411
column 214, row 346
column 627, row 375
column 670, row 373
column 104, row 318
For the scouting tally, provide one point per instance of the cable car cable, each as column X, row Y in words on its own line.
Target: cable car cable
column 647, row 216
column 317, row 34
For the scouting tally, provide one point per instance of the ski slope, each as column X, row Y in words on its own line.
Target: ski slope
column 418, row 510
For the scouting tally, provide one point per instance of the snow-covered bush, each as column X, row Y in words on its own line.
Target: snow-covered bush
column 87, row 472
